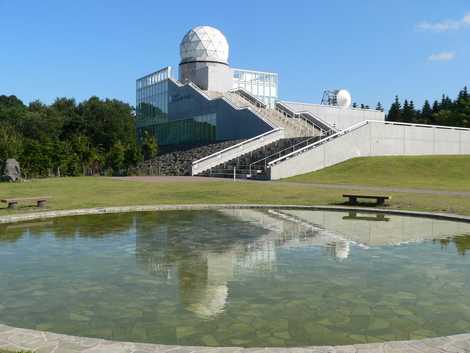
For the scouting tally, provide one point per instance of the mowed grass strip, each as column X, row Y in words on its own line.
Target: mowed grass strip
column 87, row 192
column 423, row 172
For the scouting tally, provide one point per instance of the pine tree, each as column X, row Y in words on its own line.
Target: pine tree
column 412, row 113
column 404, row 112
column 426, row 113
column 463, row 95
column 446, row 102
column 436, row 107
column 394, row 114
column 379, row 107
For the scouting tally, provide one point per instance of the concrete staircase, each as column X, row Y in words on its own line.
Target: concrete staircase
column 293, row 127
column 255, row 164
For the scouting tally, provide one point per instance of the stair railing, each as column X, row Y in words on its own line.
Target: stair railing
column 232, row 152
column 319, row 143
column 306, row 115
column 280, row 153
column 250, row 97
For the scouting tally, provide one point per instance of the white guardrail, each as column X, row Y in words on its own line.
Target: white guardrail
column 355, row 127
column 232, row 152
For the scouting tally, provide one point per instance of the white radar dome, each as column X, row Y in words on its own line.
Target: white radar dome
column 343, row 98
column 204, row 43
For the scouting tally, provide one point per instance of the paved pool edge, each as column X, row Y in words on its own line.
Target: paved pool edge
column 21, row 217
column 17, row 339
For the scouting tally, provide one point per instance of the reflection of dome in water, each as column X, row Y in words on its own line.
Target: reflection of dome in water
column 211, row 303
column 342, row 250
column 204, row 43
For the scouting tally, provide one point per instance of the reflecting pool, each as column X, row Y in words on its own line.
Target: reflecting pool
column 238, row 277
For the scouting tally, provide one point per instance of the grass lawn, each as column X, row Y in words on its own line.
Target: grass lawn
column 429, row 172
column 85, row 192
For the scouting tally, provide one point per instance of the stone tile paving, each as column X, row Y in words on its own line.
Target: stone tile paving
column 20, row 217
column 16, row 339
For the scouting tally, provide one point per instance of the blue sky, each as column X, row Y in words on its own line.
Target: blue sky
column 374, row 48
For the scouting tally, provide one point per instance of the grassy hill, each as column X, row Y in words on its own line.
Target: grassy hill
column 428, row 172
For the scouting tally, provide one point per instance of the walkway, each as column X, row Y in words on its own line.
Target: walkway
column 381, row 189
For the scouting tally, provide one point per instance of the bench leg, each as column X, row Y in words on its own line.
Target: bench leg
column 353, row 200
column 352, row 214
column 41, row 203
column 12, row 205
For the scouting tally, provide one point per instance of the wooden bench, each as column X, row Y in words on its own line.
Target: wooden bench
column 13, row 203
column 379, row 200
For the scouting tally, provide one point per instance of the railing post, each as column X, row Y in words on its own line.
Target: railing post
column 234, row 173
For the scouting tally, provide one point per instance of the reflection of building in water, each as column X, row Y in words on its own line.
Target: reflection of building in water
column 390, row 230
column 340, row 249
column 191, row 254
column 203, row 263
column 257, row 256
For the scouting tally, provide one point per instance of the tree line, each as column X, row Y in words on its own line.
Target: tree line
column 98, row 136
column 94, row 137
column 446, row 112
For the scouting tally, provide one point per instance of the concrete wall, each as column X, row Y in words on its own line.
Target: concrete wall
column 209, row 76
column 376, row 139
column 336, row 117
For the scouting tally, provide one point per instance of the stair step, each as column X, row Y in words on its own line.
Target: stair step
column 253, row 165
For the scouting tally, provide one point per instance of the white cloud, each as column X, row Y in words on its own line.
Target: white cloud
column 443, row 56
column 446, row 25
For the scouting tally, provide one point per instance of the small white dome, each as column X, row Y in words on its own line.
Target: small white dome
column 204, row 43
column 343, row 98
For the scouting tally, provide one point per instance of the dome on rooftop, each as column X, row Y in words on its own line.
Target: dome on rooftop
column 204, row 43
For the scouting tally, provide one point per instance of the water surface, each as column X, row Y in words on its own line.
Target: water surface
column 238, row 277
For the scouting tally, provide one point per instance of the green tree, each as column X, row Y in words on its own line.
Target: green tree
column 133, row 155
column 394, row 114
column 426, row 113
column 149, row 146
column 105, row 122
column 116, row 158
column 11, row 144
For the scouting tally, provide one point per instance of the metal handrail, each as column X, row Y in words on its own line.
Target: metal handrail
column 318, row 143
column 282, row 107
column 332, row 106
column 355, row 127
column 285, row 149
column 249, row 96
column 236, row 151
column 237, row 145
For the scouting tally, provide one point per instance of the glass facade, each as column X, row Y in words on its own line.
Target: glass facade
column 185, row 131
column 178, row 114
column 263, row 85
column 153, row 100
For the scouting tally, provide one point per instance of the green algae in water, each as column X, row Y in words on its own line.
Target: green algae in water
column 238, row 277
